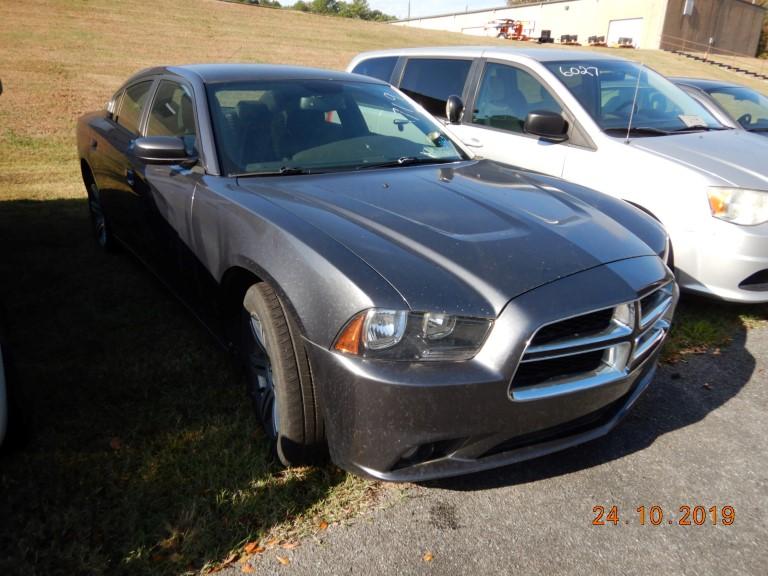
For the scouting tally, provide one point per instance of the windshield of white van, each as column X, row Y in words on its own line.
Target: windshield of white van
column 608, row 89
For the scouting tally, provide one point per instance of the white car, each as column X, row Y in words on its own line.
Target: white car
column 614, row 126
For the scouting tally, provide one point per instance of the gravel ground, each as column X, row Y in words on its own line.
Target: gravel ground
column 697, row 437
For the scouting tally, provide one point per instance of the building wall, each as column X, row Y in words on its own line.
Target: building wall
column 584, row 18
column 733, row 25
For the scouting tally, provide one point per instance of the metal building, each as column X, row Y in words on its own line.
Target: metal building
column 718, row 26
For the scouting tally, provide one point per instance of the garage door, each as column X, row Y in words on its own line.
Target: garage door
column 628, row 28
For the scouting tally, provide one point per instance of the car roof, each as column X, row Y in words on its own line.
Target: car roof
column 538, row 54
column 216, row 73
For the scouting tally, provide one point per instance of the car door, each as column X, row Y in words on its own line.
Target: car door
column 119, row 196
column 167, row 191
column 495, row 115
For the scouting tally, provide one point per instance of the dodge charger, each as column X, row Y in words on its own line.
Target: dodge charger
column 410, row 310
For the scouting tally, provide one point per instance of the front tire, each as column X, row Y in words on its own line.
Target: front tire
column 99, row 224
column 279, row 380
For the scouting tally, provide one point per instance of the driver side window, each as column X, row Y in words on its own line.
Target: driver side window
column 507, row 95
column 173, row 113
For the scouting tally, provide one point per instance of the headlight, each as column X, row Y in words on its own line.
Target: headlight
column 739, row 205
column 404, row 335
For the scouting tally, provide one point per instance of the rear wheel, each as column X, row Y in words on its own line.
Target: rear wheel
column 279, row 379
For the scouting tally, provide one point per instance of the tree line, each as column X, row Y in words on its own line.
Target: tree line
column 354, row 9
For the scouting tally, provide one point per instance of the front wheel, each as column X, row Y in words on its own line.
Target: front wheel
column 279, row 380
column 99, row 223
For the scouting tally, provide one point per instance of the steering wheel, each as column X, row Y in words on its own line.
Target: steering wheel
column 623, row 107
column 745, row 119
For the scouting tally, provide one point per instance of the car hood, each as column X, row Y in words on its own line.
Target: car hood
column 728, row 157
column 464, row 237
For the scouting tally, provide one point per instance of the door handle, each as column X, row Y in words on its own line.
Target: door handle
column 94, row 144
column 130, row 177
column 473, row 143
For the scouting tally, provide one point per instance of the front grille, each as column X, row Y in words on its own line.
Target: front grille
column 593, row 349
column 585, row 324
column 531, row 373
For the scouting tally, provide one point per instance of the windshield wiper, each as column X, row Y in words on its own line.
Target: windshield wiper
column 647, row 130
column 699, row 128
column 406, row 161
column 757, row 129
column 283, row 171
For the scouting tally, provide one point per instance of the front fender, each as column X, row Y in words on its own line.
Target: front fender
column 322, row 281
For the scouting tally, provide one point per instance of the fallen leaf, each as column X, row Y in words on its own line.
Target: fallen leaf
column 428, row 557
column 323, row 525
column 229, row 559
column 175, row 557
column 252, row 547
column 289, row 545
column 272, row 543
column 247, row 568
column 115, row 443
column 283, row 560
column 707, row 385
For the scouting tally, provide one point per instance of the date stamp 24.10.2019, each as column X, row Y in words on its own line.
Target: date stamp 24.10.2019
column 655, row 515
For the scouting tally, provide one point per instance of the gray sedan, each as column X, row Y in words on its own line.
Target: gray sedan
column 734, row 105
column 414, row 311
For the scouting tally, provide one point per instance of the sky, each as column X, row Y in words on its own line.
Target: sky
column 399, row 8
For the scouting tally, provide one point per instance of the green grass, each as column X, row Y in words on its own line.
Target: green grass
column 704, row 326
column 143, row 456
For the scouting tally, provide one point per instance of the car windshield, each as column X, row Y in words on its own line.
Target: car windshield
column 309, row 126
column 607, row 90
column 748, row 107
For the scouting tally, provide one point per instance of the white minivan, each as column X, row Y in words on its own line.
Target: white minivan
column 612, row 125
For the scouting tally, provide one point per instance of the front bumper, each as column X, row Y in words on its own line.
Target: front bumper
column 720, row 260
column 407, row 421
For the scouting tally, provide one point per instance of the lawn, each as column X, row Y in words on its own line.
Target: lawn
column 142, row 456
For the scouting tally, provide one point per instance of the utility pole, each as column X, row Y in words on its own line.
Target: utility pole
column 409, row 9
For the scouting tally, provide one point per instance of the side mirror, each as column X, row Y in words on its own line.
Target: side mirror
column 454, row 108
column 548, row 125
column 162, row 150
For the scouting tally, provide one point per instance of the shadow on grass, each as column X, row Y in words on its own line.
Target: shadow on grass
column 711, row 366
column 141, row 455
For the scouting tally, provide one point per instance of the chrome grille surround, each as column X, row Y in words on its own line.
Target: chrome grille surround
column 636, row 329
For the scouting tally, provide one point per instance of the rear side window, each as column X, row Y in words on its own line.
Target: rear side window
column 380, row 68
column 430, row 81
column 130, row 107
